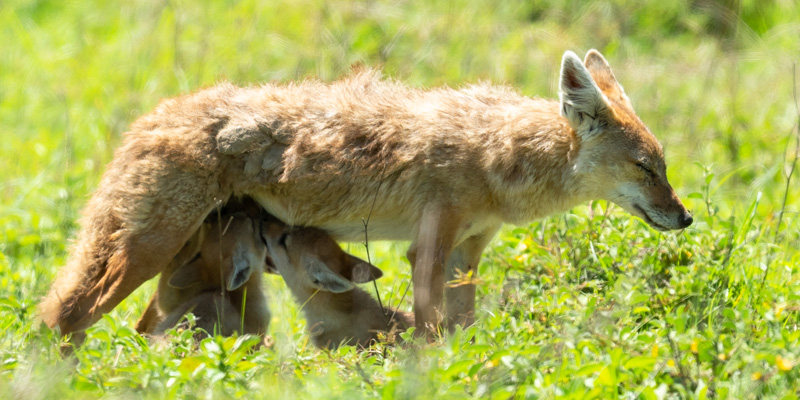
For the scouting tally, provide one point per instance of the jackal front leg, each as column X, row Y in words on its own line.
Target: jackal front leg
column 428, row 256
column 461, row 273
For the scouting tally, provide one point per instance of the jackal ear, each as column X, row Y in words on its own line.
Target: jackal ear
column 362, row 271
column 185, row 276
column 241, row 271
column 582, row 102
column 191, row 249
column 323, row 278
column 601, row 72
column 269, row 265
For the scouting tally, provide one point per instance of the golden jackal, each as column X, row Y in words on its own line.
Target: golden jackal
column 322, row 278
column 443, row 168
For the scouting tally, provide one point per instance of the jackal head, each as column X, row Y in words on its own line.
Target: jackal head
column 231, row 251
column 309, row 259
column 619, row 159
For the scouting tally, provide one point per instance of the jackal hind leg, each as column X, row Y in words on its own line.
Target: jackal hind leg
column 142, row 250
column 152, row 315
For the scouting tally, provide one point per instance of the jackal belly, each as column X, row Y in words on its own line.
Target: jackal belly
column 392, row 218
column 343, row 220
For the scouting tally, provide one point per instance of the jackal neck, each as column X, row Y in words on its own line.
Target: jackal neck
column 532, row 163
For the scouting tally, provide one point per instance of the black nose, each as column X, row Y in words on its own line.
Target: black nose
column 686, row 219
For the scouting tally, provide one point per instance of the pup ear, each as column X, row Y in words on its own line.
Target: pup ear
column 191, row 249
column 323, row 278
column 362, row 271
column 604, row 78
column 185, row 276
column 582, row 102
column 269, row 265
column 240, row 272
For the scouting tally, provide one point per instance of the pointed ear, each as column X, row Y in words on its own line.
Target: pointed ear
column 324, row 279
column 604, row 78
column 582, row 102
column 362, row 271
column 240, row 273
column 185, row 276
column 269, row 265
column 192, row 247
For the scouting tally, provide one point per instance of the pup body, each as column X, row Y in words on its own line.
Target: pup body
column 322, row 278
column 443, row 168
column 216, row 314
column 217, row 277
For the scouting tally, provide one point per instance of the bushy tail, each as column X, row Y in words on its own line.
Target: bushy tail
column 88, row 261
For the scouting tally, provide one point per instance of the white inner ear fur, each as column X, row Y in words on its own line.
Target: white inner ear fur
column 241, row 269
column 363, row 271
column 323, row 278
column 582, row 102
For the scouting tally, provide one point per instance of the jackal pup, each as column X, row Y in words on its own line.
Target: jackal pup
column 322, row 279
column 217, row 277
column 443, row 168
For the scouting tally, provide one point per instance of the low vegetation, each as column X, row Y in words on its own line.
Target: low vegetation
column 588, row 304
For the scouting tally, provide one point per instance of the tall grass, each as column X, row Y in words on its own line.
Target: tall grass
column 587, row 304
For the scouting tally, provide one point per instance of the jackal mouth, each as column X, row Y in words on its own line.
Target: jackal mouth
column 649, row 220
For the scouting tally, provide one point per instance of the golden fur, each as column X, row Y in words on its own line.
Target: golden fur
column 443, row 168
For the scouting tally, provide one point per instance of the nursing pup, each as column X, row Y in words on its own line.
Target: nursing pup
column 322, row 278
column 217, row 277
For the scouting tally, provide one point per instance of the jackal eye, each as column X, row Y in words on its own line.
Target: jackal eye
column 644, row 168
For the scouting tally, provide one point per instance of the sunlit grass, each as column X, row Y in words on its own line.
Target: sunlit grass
column 592, row 303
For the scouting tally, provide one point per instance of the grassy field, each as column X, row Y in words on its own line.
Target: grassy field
column 588, row 304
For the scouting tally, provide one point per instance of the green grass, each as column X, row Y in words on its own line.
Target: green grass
column 588, row 304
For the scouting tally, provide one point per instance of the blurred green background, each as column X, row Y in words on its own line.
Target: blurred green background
column 712, row 79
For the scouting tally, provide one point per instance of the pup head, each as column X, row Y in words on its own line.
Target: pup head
column 308, row 258
column 619, row 159
column 231, row 251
